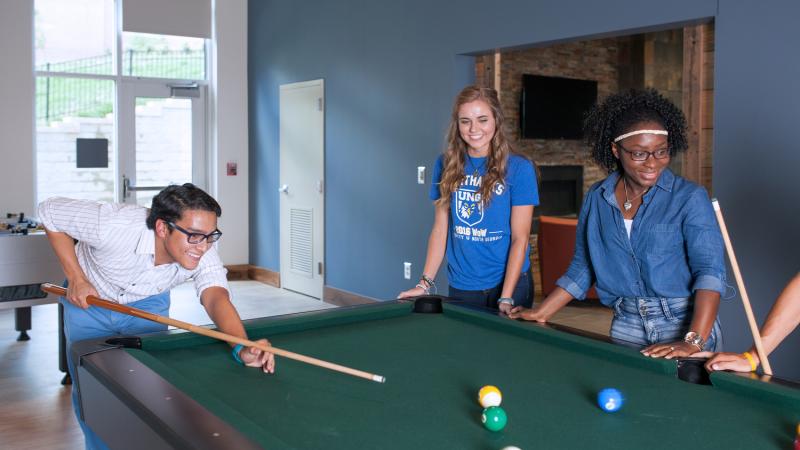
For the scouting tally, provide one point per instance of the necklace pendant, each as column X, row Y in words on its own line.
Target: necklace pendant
column 627, row 205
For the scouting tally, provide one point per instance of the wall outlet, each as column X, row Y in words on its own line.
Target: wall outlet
column 421, row 175
column 407, row 270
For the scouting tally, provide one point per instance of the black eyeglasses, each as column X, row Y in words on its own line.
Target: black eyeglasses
column 197, row 238
column 641, row 155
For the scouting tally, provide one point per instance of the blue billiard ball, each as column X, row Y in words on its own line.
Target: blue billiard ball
column 610, row 400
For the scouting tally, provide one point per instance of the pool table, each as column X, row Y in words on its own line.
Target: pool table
column 181, row 390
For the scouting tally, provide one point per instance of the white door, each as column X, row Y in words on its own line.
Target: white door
column 162, row 138
column 302, row 123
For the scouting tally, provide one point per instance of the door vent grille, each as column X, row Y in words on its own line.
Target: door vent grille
column 301, row 241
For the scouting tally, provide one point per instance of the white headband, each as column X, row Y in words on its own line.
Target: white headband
column 634, row 133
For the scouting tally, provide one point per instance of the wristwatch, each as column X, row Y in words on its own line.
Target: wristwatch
column 695, row 339
column 508, row 300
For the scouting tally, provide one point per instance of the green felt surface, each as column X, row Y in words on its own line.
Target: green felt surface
column 435, row 364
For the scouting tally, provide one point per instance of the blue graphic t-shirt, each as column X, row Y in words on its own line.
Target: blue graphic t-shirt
column 479, row 236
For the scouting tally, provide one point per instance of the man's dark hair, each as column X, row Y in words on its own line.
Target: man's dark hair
column 170, row 203
column 620, row 113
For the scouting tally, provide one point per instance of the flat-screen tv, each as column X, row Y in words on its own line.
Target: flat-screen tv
column 554, row 107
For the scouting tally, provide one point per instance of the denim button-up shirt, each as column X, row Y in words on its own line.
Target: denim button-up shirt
column 675, row 246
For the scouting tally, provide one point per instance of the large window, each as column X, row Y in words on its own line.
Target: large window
column 75, row 91
column 160, row 56
column 79, row 116
column 79, row 76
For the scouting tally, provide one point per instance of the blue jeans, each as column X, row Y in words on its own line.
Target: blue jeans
column 80, row 324
column 487, row 298
column 652, row 320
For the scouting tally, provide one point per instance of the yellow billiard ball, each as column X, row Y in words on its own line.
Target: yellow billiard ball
column 489, row 396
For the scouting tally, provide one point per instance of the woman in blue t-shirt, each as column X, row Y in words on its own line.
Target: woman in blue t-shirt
column 483, row 194
column 646, row 237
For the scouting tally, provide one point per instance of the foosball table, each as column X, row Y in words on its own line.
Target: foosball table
column 26, row 261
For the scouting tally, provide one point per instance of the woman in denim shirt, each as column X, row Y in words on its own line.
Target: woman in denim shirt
column 646, row 237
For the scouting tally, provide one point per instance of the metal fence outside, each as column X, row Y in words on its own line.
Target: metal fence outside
column 59, row 97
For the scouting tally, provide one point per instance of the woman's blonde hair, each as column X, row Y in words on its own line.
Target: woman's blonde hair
column 456, row 152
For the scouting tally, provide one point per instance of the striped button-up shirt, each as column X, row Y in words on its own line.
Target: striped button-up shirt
column 116, row 250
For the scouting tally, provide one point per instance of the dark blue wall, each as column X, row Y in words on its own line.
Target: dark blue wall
column 757, row 157
column 391, row 70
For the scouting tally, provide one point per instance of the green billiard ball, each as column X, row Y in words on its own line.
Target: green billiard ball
column 494, row 418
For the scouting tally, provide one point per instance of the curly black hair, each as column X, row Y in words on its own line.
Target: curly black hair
column 169, row 204
column 620, row 113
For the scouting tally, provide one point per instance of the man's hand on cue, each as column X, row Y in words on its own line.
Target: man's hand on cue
column 255, row 357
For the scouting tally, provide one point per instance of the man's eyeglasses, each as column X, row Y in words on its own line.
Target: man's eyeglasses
column 641, row 155
column 197, row 238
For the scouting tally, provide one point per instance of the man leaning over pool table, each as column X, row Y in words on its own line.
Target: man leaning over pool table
column 134, row 255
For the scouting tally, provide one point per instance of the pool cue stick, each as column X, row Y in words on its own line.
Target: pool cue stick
column 124, row 309
column 762, row 355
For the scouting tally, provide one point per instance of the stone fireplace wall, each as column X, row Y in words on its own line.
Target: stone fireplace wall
column 654, row 60
column 589, row 60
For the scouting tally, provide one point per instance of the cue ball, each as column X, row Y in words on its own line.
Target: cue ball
column 494, row 418
column 610, row 400
column 511, row 447
column 489, row 396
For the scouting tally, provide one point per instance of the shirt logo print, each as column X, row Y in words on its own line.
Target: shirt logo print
column 469, row 207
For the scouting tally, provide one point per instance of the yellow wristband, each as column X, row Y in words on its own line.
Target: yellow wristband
column 751, row 360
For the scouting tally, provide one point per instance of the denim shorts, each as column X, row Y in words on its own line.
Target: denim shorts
column 651, row 320
column 522, row 295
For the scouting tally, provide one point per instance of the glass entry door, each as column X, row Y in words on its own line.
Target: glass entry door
column 162, row 138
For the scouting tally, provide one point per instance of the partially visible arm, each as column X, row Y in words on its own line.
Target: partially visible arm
column 706, row 305
column 217, row 303
column 705, row 254
column 782, row 319
column 64, row 221
column 78, row 287
column 437, row 244
column 573, row 284
column 521, row 217
column 542, row 313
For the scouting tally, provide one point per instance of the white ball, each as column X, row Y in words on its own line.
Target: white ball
column 511, row 447
column 491, row 399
